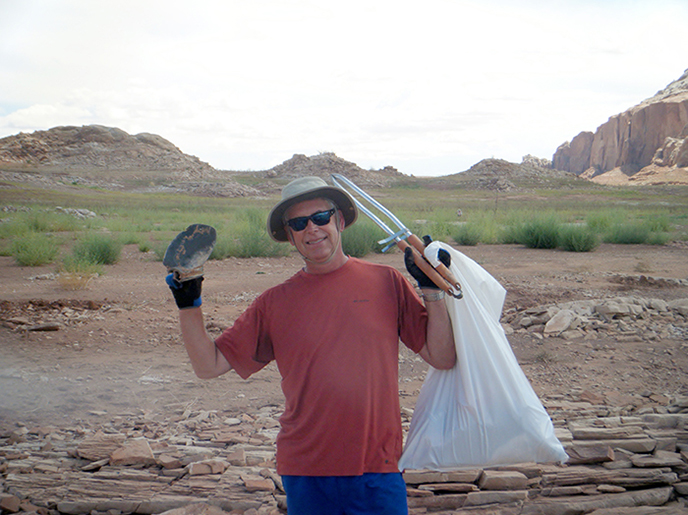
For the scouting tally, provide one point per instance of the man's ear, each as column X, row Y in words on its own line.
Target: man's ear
column 289, row 236
column 341, row 225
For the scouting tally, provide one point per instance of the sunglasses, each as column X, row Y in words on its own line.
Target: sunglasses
column 320, row 218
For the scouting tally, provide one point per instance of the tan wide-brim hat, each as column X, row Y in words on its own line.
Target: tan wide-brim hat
column 307, row 188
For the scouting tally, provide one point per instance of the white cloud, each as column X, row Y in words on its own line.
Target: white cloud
column 429, row 88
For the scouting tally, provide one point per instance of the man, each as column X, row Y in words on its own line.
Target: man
column 333, row 329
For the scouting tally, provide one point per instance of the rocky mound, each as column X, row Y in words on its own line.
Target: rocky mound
column 71, row 155
column 74, row 148
column 327, row 163
column 501, row 175
column 647, row 144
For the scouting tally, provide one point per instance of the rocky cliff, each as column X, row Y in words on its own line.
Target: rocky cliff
column 646, row 144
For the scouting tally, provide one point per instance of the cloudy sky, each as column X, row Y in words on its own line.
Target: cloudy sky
column 428, row 87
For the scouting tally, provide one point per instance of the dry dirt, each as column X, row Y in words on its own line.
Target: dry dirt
column 117, row 351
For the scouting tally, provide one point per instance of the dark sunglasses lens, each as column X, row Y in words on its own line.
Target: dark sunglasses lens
column 321, row 218
column 298, row 224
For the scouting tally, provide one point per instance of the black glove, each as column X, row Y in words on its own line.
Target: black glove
column 187, row 294
column 423, row 280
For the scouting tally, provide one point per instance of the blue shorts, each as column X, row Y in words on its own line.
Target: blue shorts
column 369, row 494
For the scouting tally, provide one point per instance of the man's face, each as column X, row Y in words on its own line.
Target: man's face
column 318, row 244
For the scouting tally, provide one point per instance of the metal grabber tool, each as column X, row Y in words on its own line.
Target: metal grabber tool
column 402, row 238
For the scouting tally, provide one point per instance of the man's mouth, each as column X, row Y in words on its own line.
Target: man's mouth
column 315, row 242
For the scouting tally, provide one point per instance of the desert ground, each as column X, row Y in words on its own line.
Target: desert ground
column 113, row 349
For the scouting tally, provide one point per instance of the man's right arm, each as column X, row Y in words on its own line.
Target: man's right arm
column 206, row 358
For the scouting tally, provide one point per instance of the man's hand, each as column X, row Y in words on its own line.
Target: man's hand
column 423, row 280
column 187, row 294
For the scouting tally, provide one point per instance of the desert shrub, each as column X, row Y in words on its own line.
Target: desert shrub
column 248, row 237
column 658, row 223
column 658, row 238
column 362, row 238
column 510, row 234
column 63, row 222
column 578, row 238
column 602, row 221
column 97, row 249
column 159, row 250
column 46, row 221
column 630, row 233
column 437, row 230
column 224, row 248
column 38, row 222
column 12, row 229
column 489, row 227
column 468, row 234
column 34, row 249
column 77, row 273
column 511, row 230
column 130, row 238
column 257, row 244
column 541, row 232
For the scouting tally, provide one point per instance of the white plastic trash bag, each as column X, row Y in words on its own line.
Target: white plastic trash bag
column 483, row 412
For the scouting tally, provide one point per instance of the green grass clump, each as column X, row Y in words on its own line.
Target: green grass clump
column 658, row 238
column 578, row 238
column 248, row 237
column 629, row 233
column 437, row 230
column 658, row 223
column 48, row 221
column 603, row 221
column 362, row 238
column 159, row 250
column 97, row 249
column 34, row 249
column 468, row 234
column 541, row 232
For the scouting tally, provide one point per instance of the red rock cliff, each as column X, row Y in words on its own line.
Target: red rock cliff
column 630, row 140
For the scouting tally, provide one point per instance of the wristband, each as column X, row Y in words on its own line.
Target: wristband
column 433, row 296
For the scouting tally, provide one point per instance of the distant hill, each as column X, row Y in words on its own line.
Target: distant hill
column 327, row 163
column 107, row 157
column 74, row 148
column 647, row 144
column 504, row 176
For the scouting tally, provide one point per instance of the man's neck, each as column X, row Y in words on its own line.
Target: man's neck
column 337, row 261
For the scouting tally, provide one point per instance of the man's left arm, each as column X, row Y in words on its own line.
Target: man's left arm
column 439, row 349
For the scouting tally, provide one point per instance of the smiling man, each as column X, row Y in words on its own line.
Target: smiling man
column 333, row 329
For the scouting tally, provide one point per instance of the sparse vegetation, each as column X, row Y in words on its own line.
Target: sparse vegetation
column 248, row 237
column 467, row 234
column 575, row 218
column 97, row 249
column 540, row 232
column 628, row 233
column 362, row 238
column 34, row 249
column 577, row 238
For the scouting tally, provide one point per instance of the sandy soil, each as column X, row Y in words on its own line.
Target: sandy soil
column 117, row 350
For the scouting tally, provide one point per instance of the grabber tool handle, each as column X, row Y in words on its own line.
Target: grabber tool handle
column 428, row 269
column 444, row 272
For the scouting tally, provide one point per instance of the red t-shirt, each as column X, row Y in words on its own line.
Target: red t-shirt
column 335, row 338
